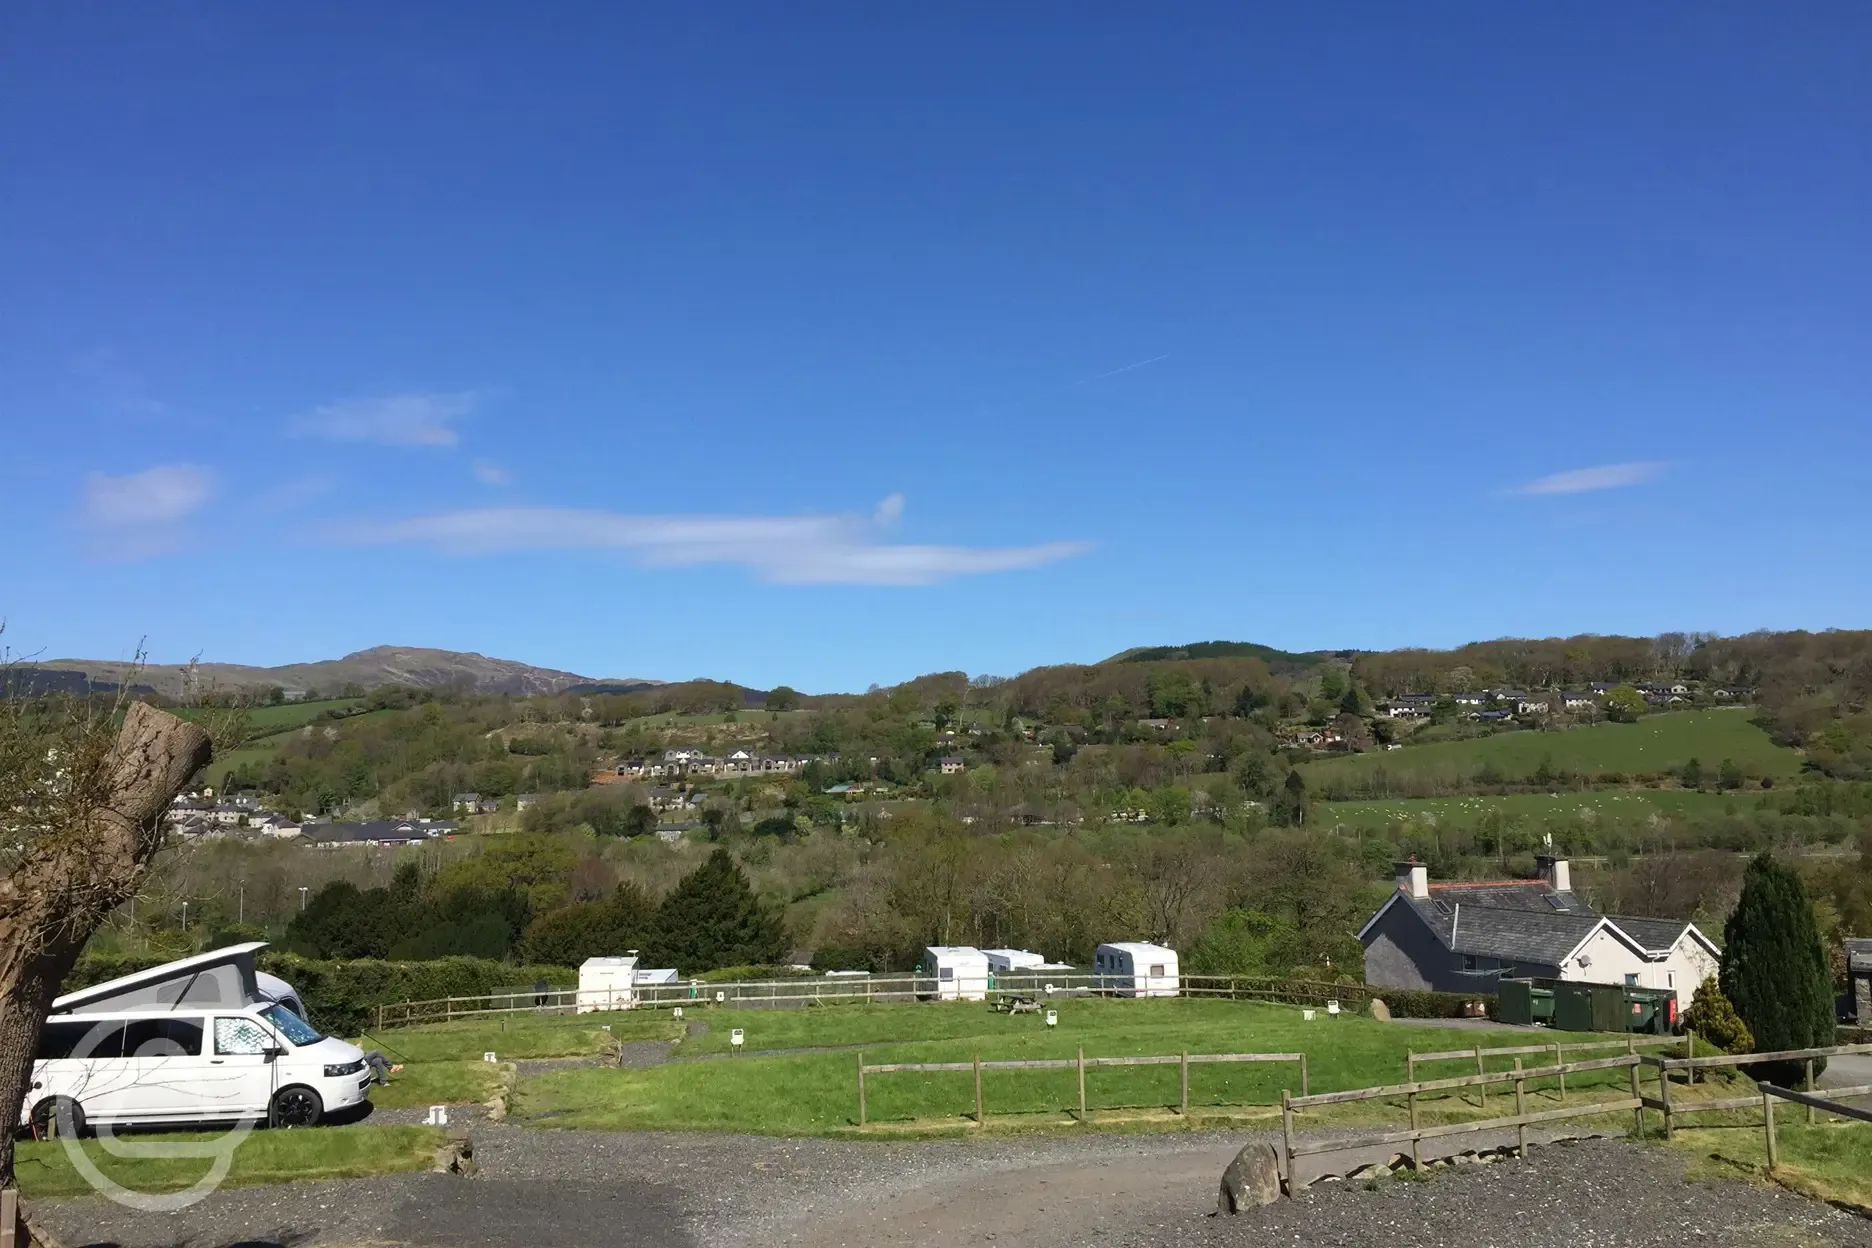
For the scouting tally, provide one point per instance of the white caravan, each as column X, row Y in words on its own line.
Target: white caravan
column 960, row 972
column 187, row 1042
column 1129, row 968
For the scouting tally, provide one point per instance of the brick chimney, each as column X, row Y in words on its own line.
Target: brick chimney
column 1413, row 880
column 1556, row 871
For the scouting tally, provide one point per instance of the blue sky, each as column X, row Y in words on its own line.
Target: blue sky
column 831, row 344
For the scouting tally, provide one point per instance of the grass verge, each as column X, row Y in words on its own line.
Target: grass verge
column 45, row 1171
column 520, row 1036
column 1831, row 1161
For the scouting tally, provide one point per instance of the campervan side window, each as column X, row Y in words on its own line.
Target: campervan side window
column 1156, row 968
column 163, row 1037
column 947, row 972
column 234, row 1036
column 63, row 1040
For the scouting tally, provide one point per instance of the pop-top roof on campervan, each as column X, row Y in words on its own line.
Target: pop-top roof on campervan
column 223, row 977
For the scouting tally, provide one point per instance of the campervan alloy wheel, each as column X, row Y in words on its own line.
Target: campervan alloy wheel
column 296, row 1107
column 58, row 1114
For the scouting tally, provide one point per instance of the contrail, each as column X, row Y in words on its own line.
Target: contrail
column 1127, row 368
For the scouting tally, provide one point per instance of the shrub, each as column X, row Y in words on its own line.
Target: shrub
column 1713, row 1017
column 1412, row 1003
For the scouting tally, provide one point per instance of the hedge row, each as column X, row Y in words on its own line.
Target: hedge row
column 1411, row 1003
column 343, row 996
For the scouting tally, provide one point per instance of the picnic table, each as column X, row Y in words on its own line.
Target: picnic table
column 1015, row 1003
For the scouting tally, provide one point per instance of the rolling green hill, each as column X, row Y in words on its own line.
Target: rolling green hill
column 1281, row 662
column 1652, row 746
column 1457, row 812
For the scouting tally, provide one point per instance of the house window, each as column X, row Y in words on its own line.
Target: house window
column 1670, row 979
column 1471, row 963
column 1631, row 981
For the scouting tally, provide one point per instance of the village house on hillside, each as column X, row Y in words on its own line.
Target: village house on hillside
column 1467, row 937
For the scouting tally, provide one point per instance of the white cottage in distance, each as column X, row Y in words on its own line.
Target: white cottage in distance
column 1468, row 936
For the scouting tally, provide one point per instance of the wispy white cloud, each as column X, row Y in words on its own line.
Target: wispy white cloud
column 792, row 550
column 390, row 420
column 889, row 511
column 143, row 513
column 1586, row 480
column 487, row 472
column 160, row 495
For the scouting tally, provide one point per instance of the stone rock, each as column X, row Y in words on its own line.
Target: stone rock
column 1379, row 1010
column 456, row 1156
column 1251, row 1180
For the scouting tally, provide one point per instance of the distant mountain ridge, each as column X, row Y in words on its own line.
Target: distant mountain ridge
column 414, row 666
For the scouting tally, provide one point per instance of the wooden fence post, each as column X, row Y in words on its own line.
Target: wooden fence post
column 1410, row 1065
column 1082, row 1108
column 1663, row 1079
column 1637, row 1113
column 380, row 1008
column 1690, row 1050
column 1560, row 1061
column 979, row 1121
column 1809, row 1090
column 9, row 1218
column 1416, row 1159
column 1767, row 1126
column 1303, row 1076
column 861, row 1094
column 1287, row 1140
column 1184, row 1110
column 1481, row 1088
column 1520, row 1109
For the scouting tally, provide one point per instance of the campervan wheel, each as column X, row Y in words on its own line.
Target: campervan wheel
column 58, row 1115
column 296, row 1107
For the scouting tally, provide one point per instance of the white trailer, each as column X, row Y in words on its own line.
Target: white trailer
column 960, row 972
column 1129, row 968
column 607, row 984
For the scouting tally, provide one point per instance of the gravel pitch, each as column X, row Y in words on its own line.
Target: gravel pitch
column 663, row 1190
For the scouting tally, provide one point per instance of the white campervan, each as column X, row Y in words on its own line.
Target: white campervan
column 1129, row 968
column 191, row 1041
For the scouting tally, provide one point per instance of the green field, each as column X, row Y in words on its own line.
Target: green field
column 1655, row 744
column 815, row 1093
column 520, row 1036
column 264, row 721
column 1537, row 808
column 46, row 1172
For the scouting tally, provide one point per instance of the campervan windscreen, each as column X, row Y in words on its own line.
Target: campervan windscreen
column 291, row 1026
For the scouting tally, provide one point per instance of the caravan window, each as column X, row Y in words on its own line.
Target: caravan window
column 163, row 1037
column 236, row 1036
column 947, row 972
column 1156, row 968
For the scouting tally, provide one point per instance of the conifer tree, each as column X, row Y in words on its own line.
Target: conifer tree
column 714, row 919
column 1774, row 968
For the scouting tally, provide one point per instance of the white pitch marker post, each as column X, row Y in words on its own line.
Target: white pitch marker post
column 675, row 1013
column 736, row 1039
column 1052, row 1018
column 438, row 1115
column 490, row 1058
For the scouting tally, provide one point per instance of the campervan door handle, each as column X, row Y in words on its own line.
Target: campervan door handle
column 214, row 1061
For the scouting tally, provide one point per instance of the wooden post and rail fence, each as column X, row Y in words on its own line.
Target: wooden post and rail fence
column 1081, row 1063
column 826, row 990
column 1664, row 1104
column 1415, row 1134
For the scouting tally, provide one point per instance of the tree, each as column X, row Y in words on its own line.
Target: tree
column 713, row 919
column 1774, row 968
column 1350, row 704
column 1291, row 808
column 640, row 820
column 85, row 810
column 592, row 929
column 1256, row 774
column 783, row 698
column 1729, row 776
column 1624, row 705
column 1691, row 774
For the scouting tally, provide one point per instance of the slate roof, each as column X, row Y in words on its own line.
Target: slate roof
column 1656, row 935
column 1520, row 935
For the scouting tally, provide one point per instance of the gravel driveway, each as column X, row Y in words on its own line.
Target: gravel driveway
column 665, row 1190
